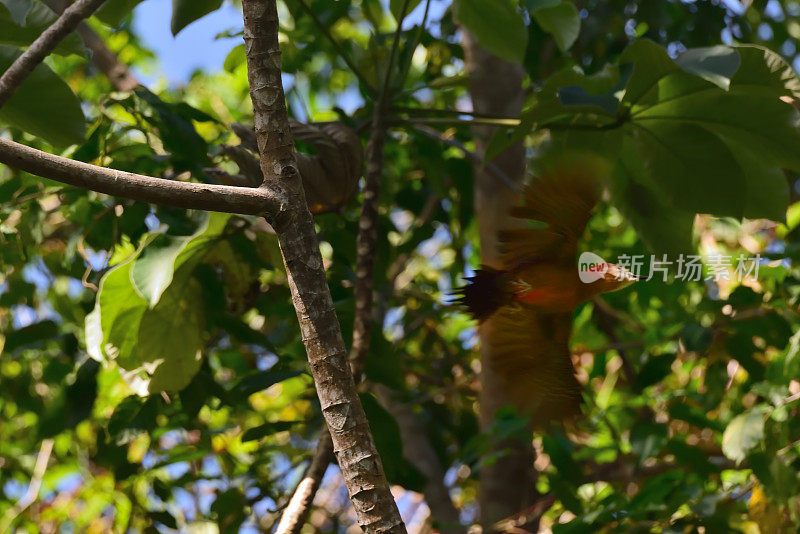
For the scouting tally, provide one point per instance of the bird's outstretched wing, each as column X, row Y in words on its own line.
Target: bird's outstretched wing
column 530, row 353
column 561, row 200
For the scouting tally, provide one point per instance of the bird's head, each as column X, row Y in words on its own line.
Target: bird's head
column 613, row 277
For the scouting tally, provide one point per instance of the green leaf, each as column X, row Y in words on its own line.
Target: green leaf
column 562, row 22
column 184, row 12
column 152, row 272
column 648, row 439
column 677, row 160
column 18, row 9
column 396, row 7
column 170, row 339
column 663, row 228
column 37, row 19
column 497, row 25
column 262, row 380
column 744, row 433
column 267, row 429
column 113, row 12
column 717, row 64
column 535, row 5
column 44, row 105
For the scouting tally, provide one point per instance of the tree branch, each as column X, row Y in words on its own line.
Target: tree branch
column 294, row 516
column 352, row 441
column 419, row 452
column 104, row 59
column 211, row 197
column 39, row 469
column 43, row 45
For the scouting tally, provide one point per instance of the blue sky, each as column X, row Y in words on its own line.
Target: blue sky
column 193, row 48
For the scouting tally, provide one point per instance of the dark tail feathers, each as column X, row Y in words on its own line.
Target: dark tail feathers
column 484, row 293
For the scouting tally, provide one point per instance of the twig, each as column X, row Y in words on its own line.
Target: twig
column 42, row 459
column 490, row 167
column 325, row 30
column 211, row 197
column 43, row 46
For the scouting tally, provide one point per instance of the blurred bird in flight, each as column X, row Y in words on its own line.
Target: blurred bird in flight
column 526, row 308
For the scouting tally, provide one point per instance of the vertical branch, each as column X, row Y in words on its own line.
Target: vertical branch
column 352, row 441
column 43, row 45
column 366, row 245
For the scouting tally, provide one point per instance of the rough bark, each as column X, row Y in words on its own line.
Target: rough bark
column 44, row 45
column 507, row 486
column 366, row 245
column 352, row 441
column 211, row 197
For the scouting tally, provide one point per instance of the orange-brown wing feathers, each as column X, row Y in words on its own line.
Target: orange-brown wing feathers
column 530, row 353
column 562, row 200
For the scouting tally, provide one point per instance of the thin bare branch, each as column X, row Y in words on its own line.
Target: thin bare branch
column 294, row 516
column 43, row 46
column 211, row 197
column 31, row 494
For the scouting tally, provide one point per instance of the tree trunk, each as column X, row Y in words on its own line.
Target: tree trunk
column 507, row 486
column 352, row 440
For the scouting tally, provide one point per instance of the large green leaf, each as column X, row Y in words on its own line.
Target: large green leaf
column 706, row 133
column 44, row 105
column 184, row 12
column 497, row 25
column 148, row 316
column 36, row 20
column 153, row 271
column 562, row 21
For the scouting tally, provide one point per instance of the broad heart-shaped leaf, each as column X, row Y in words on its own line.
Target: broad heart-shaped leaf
column 497, row 25
column 44, row 105
column 38, row 18
column 152, row 272
column 663, row 228
column 562, row 21
column 743, row 433
column 18, row 9
column 184, row 12
column 396, row 7
column 706, row 134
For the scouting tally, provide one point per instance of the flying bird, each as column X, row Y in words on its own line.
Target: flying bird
column 526, row 307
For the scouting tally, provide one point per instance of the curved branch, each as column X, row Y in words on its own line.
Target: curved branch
column 211, row 197
column 43, row 45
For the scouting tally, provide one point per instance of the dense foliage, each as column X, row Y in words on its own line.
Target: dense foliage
column 159, row 350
